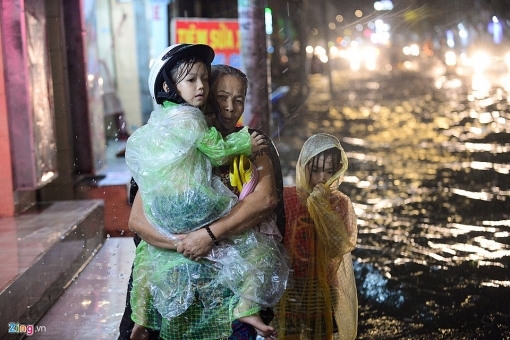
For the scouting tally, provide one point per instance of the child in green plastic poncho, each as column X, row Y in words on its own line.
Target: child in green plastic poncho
column 171, row 160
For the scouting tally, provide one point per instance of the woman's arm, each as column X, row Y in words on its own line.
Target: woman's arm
column 254, row 208
column 140, row 225
column 249, row 212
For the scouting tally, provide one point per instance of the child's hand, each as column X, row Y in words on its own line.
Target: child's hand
column 258, row 142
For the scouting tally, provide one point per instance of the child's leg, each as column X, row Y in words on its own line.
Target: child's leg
column 262, row 259
column 248, row 312
column 261, row 328
column 265, row 273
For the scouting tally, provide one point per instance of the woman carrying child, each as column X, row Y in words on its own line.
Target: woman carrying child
column 171, row 160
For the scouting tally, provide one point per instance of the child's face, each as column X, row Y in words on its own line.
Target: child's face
column 319, row 171
column 194, row 88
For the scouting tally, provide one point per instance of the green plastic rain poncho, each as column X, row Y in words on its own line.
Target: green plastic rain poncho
column 168, row 158
column 171, row 159
column 319, row 236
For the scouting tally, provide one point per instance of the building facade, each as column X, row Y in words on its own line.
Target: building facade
column 63, row 88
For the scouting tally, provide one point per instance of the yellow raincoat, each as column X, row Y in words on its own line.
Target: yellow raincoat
column 320, row 233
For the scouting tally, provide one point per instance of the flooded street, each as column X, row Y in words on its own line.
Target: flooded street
column 429, row 177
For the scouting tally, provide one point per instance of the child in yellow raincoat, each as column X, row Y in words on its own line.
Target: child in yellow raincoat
column 320, row 233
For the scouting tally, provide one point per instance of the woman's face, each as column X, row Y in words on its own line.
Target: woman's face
column 229, row 92
column 194, row 88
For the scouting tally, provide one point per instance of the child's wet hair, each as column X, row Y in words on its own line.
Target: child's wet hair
column 336, row 157
column 178, row 73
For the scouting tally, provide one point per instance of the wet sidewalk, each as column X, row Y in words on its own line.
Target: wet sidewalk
column 63, row 269
column 92, row 305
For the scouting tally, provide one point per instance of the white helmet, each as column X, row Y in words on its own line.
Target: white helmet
column 160, row 70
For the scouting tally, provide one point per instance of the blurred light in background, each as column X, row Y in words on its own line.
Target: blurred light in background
column 496, row 30
column 463, row 34
column 412, row 50
column 480, row 61
column 450, row 41
column 450, row 58
column 384, row 5
column 269, row 20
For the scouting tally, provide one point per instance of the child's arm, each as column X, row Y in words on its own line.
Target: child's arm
column 258, row 142
column 219, row 149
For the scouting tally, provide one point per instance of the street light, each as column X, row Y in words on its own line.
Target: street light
column 384, row 5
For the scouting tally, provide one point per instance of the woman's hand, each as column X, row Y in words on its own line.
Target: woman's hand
column 195, row 245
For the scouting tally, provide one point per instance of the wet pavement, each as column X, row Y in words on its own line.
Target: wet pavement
column 429, row 178
column 93, row 302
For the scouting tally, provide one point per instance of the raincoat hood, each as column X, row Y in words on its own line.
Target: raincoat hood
column 312, row 147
